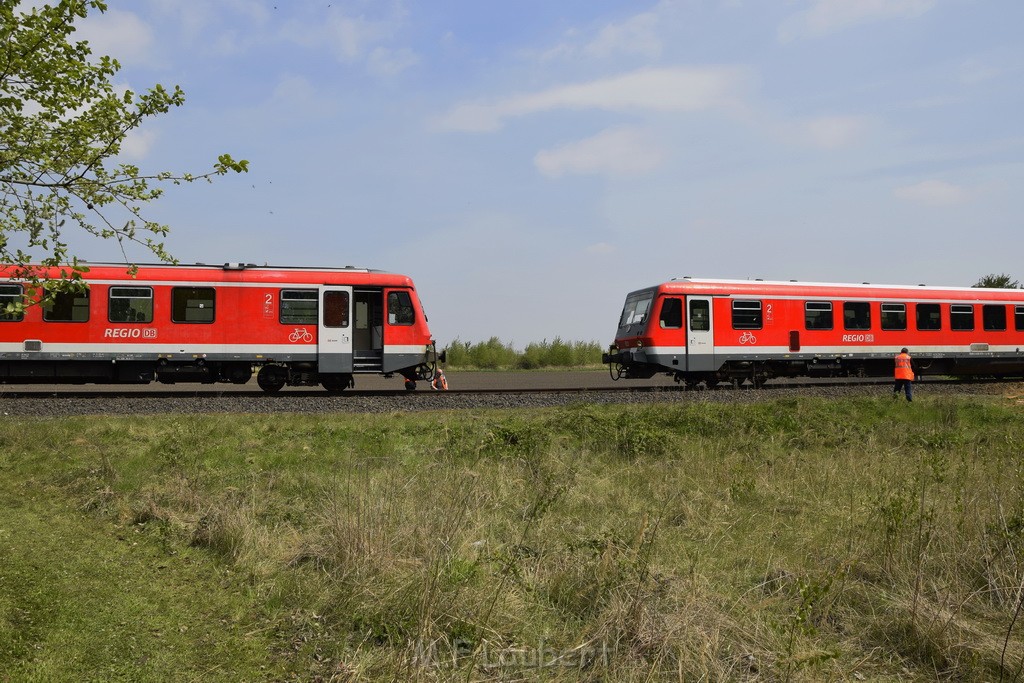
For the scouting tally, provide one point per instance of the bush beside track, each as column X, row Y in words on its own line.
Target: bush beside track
column 494, row 354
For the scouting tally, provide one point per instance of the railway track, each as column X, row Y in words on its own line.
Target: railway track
column 48, row 401
column 35, row 392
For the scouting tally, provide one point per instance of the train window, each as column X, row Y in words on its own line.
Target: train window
column 993, row 317
column 929, row 316
column 400, row 310
column 961, row 317
column 336, row 309
column 671, row 314
column 10, row 294
column 192, row 304
column 857, row 315
column 818, row 315
column 298, row 307
column 636, row 309
column 67, row 307
column 130, row 305
column 746, row 315
column 894, row 316
column 1018, row 317
column 700, row 315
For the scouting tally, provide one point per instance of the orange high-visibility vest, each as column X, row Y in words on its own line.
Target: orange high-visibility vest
column 903, row 369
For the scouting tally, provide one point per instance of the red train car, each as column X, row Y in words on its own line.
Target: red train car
column 201, row 323
column 715, row 330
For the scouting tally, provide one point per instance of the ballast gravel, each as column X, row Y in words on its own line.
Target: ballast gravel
column 61, row 404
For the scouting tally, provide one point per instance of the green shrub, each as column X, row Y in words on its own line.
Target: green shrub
column 494, row 354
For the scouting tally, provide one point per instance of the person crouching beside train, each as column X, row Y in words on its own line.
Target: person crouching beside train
column 439, row 383
column 904, row 374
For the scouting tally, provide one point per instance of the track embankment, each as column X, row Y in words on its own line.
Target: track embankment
column 469, row 390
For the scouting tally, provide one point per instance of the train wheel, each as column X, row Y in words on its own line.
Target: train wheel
column 271, row 378
column 336, row 383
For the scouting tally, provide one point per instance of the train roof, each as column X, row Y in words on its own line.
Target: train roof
column 824, row 289
column 227, row 272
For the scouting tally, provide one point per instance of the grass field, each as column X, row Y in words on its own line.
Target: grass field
column 791, row 540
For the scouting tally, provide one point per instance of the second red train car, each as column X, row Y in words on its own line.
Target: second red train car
column 718, row 330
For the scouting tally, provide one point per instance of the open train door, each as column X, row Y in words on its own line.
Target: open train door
column 335, row 338
column 700, row 345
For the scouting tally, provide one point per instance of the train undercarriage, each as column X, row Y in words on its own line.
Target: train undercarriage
column 271, row 377
column 757, row 372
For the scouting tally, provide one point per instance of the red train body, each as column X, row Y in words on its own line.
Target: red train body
column 198, row 323
column 714, row 330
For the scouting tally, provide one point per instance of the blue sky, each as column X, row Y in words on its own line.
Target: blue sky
column 529, row 162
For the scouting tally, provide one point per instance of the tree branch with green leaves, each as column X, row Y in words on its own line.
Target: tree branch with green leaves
column 62, row 127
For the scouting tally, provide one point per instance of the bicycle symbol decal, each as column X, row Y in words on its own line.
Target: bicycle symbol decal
column 748, row 338
column 300, row 334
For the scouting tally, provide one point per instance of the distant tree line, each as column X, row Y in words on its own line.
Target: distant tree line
column 495, row 354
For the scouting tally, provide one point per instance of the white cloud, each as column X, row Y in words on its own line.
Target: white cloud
column 833, row 132
column 677, row 89
column 137, row 144
column 616, row 151
column 933, row 193
column 974, row 71
column 384, row 61
column 297, row 97
column 637, row 35
column 353, row 40
column 829, row 16
column 118, row 34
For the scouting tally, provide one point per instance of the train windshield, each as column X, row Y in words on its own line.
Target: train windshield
column 636, row 309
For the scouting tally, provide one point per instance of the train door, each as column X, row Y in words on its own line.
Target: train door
column 700, row 346
column 335, row 329
column 368, row 330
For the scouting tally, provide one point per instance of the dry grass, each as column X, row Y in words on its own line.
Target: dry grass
column 791, row 541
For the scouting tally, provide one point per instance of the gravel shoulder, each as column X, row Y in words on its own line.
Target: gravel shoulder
column 379, row 395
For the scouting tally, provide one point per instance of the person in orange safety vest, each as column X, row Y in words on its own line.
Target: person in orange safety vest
column 904, row 375
column 439, row 383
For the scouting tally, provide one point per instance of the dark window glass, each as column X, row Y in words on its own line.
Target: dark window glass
column 993, row 317
column 336, row 305
column 193, row 304
column 400, row 310
column 636, row 309
column 929, row 317
column 746, row 315
column 857, row 315
column 672, row 314
column 818, row 315
column 961, row 317
column 700, row 315
column 10, row 294
column 67, row 307
column 298, row 307
column 894, row 316
column 130, row 305
column 1018, row 317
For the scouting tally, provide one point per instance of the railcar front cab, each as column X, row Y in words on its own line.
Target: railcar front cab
column 664, row 332
column 627, row 357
